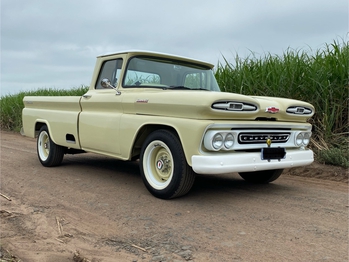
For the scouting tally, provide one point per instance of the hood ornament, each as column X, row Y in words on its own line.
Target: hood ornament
column 272, row 110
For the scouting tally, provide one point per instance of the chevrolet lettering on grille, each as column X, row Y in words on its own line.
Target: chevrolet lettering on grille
column 259, row 138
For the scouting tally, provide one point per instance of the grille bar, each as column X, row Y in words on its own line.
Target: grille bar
column 261, row 138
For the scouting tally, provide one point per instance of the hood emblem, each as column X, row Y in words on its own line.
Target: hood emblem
column 272, row 110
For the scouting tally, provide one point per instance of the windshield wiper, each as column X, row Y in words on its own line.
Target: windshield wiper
column 180, row 87
column 186, row 88
column 200, row 89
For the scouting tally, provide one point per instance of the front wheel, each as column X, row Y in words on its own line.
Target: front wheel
column 261, row 177
column 49, row 153
column 163, row 166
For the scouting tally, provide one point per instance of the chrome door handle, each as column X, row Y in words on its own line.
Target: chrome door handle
column 86, row 96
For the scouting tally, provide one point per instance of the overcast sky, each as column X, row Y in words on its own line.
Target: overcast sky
column 54, row 43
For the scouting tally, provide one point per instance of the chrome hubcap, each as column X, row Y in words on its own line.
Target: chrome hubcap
column 157, row 164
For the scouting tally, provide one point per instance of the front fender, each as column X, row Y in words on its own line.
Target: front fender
column 189, row 131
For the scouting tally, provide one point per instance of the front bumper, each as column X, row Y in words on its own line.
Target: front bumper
column 247, row 162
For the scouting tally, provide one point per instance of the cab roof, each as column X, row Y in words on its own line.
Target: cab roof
column 158, row 54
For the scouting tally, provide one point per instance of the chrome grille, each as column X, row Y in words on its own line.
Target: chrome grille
column 259, row 138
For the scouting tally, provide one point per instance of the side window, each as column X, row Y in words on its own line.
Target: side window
column 110, row 69
column 195, row 80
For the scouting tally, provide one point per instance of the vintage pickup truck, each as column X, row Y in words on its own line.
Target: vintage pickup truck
column 168, row 112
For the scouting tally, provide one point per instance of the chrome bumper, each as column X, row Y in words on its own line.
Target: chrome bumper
column 247, row 162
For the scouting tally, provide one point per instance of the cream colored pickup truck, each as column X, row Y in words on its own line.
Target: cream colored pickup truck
column 168, row 112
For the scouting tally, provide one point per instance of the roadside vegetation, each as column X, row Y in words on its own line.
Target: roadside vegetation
column 320, row 78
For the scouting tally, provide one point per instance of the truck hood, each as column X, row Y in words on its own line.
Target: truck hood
column 214, row 105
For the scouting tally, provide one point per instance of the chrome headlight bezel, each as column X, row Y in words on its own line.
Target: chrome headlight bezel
column 216, row 140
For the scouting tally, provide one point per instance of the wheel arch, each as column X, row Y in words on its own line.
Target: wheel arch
column 144, row 132
column 38, row 125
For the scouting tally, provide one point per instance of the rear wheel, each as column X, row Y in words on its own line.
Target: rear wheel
column 49, row 153
column 261, row 177
column 163, row 166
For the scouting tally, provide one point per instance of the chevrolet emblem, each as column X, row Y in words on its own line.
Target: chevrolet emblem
column 272, row 109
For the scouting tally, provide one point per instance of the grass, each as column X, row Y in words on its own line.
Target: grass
column 333, row 156
column 320, row 78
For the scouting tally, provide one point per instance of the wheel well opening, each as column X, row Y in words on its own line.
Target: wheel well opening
column 143, row 134
column 38, row 126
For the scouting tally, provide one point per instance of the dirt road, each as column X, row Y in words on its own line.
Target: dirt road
column 99, row 207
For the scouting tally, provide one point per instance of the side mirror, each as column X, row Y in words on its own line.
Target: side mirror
column 105, row 83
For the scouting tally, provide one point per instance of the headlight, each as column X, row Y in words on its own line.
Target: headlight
column 299, row 139
column 217, row 141
column 306, row 138
column 229, row 141
column 303, row 139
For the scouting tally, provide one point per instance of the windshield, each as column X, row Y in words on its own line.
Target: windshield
column 169, row 74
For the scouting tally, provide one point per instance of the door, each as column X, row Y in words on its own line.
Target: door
column 101, row 110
